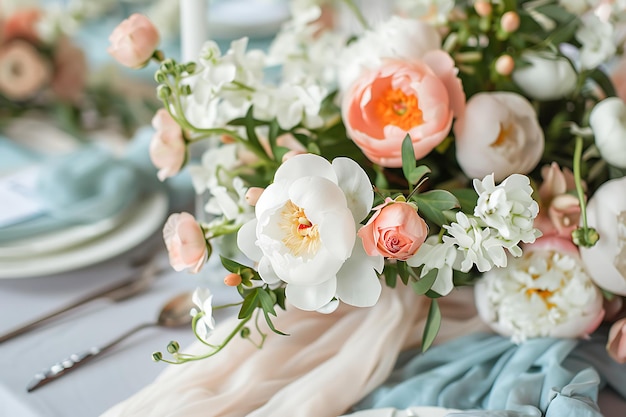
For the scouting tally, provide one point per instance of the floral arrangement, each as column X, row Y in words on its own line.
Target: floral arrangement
column 455, row 143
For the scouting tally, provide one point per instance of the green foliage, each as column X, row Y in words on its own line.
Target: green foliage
column 433, row 323
column 433, row 204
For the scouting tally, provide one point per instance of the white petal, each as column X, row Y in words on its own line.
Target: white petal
column 443, row 284
column 273, row 196
column 338, row 233
column 330, row 307
column 357, row 281
column 356, row 185
column 311, row 297
column 246, row 241
column 305, row 165
column 267, row 272
column 317, row 196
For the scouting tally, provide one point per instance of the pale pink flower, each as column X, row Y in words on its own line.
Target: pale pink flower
column 417, row 97
column 616, row 345
column 499, row 133
column 167, row 148
column 23, row 71
column 618, row 78
column 394, row 231
column 21, row 25
column 70, row 76
column 559, row 212
column 185, row 242
column 134, row 41
column 510, row 21
column 253, row 194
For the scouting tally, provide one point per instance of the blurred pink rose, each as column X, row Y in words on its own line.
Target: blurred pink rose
column 23, row 71
column 419, row 97
column 167, row 148
column 559, row 211
column 395, row 231
column 21, row 25
column 70, row 76
column 616, row 345
column 185, row 242
column 499, row 133
column 134, row 41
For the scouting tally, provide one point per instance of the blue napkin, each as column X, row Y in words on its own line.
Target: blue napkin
column 495, row 378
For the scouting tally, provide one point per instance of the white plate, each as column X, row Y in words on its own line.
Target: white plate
column 138, row 225
column 232, row 19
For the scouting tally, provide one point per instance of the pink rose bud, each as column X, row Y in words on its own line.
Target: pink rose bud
column 505, row 65
column 510, row 22
column 134, row 41
column 185, row 242
column 616, row 346
column 232, row 280
column 167, row 148
column 395, row 231
column 253, row 194
column 483, row 8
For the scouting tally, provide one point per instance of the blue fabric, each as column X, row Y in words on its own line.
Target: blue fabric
column 493, row 377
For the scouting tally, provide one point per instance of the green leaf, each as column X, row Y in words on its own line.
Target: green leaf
column 433, row 323
column 267, row 302
column 268, row 319
column 556, row 13
column 432, row 204
column 422, row 286
column 603, row 81
column 233, row 266
column 280, row 297
column 403, row 271
column 391, row 275
column 467, row 198
column 250, row 303
column 412, row 173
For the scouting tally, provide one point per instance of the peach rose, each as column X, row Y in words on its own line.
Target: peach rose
column 23, row 71
column 418, row 97
column 167, row 148
column 395, row 231
column 616, row 345
column 21, row 25
column 185, row 242
column 70, row 75
column 134, row 41
column 499, row 133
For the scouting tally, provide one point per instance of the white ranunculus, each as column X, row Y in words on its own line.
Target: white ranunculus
column 304, row 233
column 608, row 123
column 597, row 41
column 606, row 260
column 548, row 77
column 499, row 133
column 545, row 293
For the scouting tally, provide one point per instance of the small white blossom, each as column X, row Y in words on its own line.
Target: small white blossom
column 597, row 40
column 203, row 298
column 440, row 256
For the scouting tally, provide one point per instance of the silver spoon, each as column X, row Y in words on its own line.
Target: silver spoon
column 173, row 314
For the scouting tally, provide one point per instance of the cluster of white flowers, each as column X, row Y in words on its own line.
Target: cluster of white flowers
column 203, row 298
column 544, row 293
column 504, row 216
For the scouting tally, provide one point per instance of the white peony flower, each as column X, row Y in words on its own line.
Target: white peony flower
column 545, row 293
column 548, row 77
column 508, row 207
column 499, row 133
column 597, row 40
column 608, row 123
column 606, row 260
column 440, row 256
column 203, row 298
column 304, row 233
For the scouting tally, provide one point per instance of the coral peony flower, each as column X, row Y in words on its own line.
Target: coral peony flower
column 304, row 233
column 395, row 231
column 616, row 345
column 134, row 41
column 418, row 97
column 23, row 71
column 185, row 242
column 608, row 122
column 545, row 293
column 22, row 24
column 548, row 77
column 167, row 148
column 498, row 133
column 606, row 260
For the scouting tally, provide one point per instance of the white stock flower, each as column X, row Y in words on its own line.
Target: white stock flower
column 608, row 123
column 216, row 160
column 294, row 104
column 203, row 298
column 304, row 233
column 597, row 41
column 498, row 133
column 508, row 207
column 440, row 256
column 545, row 293
column 548, row 77
column 230, row 202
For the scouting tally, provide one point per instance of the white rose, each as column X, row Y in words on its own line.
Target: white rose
column 548, row 77
column 500, row 134
column 608, row 122
column 606, row 260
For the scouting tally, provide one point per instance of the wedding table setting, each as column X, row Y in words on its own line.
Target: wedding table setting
column 313, row 208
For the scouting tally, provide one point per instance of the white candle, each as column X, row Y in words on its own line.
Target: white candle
column 193, row 28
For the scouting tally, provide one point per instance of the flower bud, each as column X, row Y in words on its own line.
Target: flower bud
column 157, row 356
column 232, row 280
column 608, row 123
column 164, row 92
column 253, row 194
column 483, row 8
column 173, row 347
column 510, row 22
column 548, row 77
column 505, row 65
column 245, row 332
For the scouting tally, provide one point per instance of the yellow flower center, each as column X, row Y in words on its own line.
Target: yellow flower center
column 393, row 107
column 301, row 236
column 505, row 131
column 543, row 294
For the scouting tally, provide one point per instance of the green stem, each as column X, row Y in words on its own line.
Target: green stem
column 578, row 151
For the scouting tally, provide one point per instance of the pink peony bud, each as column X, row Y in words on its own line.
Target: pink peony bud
column 232, row 280
column 253, row 194
column 505, row 65
column 483, row 8
column 185, row 242
column 510, row 22
column 616, row 345
column 167, row 148
column 134, row 41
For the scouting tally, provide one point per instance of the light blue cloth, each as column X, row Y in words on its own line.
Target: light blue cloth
column 89, row 184
column 495, row 378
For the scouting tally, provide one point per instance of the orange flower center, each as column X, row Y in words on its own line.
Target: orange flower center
column 543, row 294
column 504, row 133
column 393, row 107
